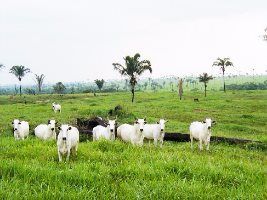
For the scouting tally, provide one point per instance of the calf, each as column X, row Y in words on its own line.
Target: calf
column 201, row 131
column 132, row 133
column 56, row 107
column 21, row 129
column 46, row 131
column 107, row 133
column 67, row 141
column 155, row 132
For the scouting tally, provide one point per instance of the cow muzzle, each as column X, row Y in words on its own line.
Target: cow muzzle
column 64, row 138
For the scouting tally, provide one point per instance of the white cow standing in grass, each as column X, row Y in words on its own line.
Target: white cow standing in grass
column 56, row 107
column 155, row 132
column 67, row 141
column 21, row 129
column 46, row 131
column 107, row 133
column 132, row 133
column 201, row 131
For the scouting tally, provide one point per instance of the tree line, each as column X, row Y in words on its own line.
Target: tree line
column 132, row 69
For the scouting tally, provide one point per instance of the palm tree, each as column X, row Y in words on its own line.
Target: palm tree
column 223, row 63
column 19, row 72
column 133, row 69
column 205, row 78
column 39, row 81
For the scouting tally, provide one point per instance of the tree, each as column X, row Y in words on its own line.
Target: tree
column 223, row 63
column 19, row 72
column 99, row 83
column 59, row 88
column 265, row 35
column 145, row 85
column 133, row 69
column 181, row 91
column 39, row 81
column 126, row 84
column 1, row 66
column 205, row 78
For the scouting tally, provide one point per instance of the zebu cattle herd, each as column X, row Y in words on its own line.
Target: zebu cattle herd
column 68, row 136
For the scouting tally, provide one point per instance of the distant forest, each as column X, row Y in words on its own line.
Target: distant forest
column 241, row 82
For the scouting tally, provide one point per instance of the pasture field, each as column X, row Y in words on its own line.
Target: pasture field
column 114, row 170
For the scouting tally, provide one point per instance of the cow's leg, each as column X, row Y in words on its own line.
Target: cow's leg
column 68, row 154
column 200, row 145
column 59, row 156
column 192, row 140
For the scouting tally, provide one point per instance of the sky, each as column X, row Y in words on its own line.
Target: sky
column 79, row 40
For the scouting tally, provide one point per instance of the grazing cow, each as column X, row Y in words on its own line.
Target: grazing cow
column 155, row 132
column 46, row 131
column 56, row 107
column 21, row 129
column 201, row 131
column 107, row 133
column 132, row 133
column 67, row 141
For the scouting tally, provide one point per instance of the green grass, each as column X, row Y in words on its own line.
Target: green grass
column 30, row 170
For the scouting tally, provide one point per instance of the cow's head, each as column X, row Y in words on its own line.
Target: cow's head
column 162, row 122
column 209, row 122
column 52, row 124
column 111, row 125
column 16, row 124
column 140, row 123
column 64, row 131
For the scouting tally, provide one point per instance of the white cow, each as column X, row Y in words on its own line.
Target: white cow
column 107, row 133
column 56, row 107
column 132, row 133
column 155, row 132
column 201, row 131
column 67, row 141
column 21, row 129
column 46, row 131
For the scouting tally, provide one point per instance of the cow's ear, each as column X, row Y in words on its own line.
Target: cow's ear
column 214, row 122
column 145, row 119
column 48, row 122
column 157, row 122
column 69, row 128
